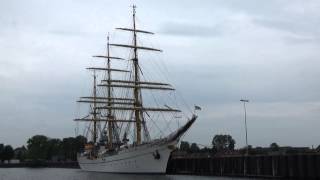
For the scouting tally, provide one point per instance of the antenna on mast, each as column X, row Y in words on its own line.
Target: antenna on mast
column 134, row 8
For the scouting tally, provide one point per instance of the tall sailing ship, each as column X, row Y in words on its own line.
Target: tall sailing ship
column 119, row 110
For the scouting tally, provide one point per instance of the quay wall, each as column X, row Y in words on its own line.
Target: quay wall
column 300, row 166
column 293, row 166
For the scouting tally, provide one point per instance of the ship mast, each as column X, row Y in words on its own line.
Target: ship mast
column 136, row 84
column 109, row 100
column 133, row 104
column 109, row 116
column 136, row 90
column 94, row 108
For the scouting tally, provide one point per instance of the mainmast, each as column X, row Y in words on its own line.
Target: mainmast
column 94, row 108
column 136, row 90
column 109, row 116
column 136, row 84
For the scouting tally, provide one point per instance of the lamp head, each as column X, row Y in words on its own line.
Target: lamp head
column 244, row 100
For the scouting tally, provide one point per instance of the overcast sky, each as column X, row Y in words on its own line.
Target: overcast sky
column 217, row 51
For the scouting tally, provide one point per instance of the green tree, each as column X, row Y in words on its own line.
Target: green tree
column 81, row 141
column 54, row 148
column 70, row 149
column 8, row 152
column 194, row 148
column 223, row 142
column 206, row 150
column 1, row 152
column 184, row 146
column 71, row 146
column 37, row 147
column 274, row 147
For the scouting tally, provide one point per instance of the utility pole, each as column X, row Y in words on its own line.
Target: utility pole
column 245, row 121
column 245, row 124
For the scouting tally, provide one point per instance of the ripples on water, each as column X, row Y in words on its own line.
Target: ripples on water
column 77, row 174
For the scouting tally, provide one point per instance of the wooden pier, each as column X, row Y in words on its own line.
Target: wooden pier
column 294, row 166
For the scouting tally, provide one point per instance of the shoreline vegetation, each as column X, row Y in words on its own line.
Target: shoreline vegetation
column 221, row 159
column 42, row 151
column 41, row 164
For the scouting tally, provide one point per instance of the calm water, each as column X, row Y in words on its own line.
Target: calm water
column 77, row 174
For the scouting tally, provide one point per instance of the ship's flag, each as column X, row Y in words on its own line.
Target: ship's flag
column 197, row 107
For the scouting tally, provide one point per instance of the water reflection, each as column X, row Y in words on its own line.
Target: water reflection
column 105, row 176
column 77, row 174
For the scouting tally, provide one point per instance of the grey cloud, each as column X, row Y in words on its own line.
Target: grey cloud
column 299, row 40
column 292, row 16
column 42, row 68
column 68, row 33
column 295, row 26
column 185, row 29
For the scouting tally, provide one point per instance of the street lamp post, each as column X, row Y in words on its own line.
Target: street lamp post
column 245, row 121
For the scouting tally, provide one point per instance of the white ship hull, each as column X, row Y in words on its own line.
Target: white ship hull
column 151, row 157
column 140, row 159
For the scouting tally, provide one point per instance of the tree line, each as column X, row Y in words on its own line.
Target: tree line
column 40, row 147
column 220, row 143
column 225, row 144
column 6, row 152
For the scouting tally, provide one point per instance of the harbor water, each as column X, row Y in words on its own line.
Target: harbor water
column 77, row 174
